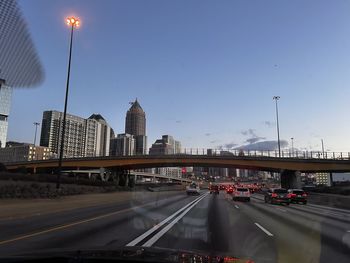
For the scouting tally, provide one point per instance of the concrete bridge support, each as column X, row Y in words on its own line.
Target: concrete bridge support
column 290, row 179
column 115, row 176
column 120, row 176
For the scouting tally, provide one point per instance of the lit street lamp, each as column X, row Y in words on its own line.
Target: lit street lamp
column 292, row 146
column 276, row 98
column 36, row 124
column 72, row 22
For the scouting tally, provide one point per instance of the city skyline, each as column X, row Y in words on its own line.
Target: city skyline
column 198, row 68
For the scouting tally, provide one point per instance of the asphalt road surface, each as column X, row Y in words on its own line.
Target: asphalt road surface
column 209, row 223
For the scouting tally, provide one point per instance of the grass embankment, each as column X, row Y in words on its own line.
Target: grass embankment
column 338, row 189
column 16, row 185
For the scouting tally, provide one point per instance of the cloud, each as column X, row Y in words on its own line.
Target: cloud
column 227, row 146
column 253, row 136
column 178, row 121
column 214, row 141
column 254, row 139
column 250, row 132
column 263, row 146
column 269, row 124
column 207, row 134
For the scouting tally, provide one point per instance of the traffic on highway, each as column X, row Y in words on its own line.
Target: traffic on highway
column 187, row 227
column 201, row 131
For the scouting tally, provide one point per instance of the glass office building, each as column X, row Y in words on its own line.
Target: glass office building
column 5, row 103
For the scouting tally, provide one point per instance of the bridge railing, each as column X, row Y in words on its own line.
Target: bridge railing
column 236, row 153
column 267, row 153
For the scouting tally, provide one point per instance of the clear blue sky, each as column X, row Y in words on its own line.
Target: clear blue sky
column 204, row 71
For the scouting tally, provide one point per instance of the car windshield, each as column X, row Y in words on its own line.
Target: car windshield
column 175, row 130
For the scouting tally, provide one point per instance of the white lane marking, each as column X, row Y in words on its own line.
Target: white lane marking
column 156, row 227
column 237, row 206
column 281, row 209
column 157, row 236
column 263, row 229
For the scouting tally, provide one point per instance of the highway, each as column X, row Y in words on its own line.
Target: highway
column 209, row 223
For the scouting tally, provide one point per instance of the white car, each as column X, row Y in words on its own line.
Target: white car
column 193, row 189
column 241, row 193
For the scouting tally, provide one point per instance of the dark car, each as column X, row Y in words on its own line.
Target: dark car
column 298, row 196
column 277, row 196
column 222, row 187
column 214, row 189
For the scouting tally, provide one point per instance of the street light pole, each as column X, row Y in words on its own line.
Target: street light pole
column 322, row 148
column 36, row 124
column 72, row 22
column 276, row 98
column 292, row 146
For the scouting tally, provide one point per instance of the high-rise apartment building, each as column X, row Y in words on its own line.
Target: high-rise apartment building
column 5, row 104
column 82, row 138
column 98, row 135
column 135, row 124
column 74, row 137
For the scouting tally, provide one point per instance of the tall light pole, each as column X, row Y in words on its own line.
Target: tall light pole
column 292, row 146
column 36, row 124
column 72, row 22
column 276, row 98
column 322, row 148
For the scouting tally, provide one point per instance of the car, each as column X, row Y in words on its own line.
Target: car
column 298, row 196
column 222, row 187
column 229, row 189
column 241, row 193
column 277, row 196
column 214, row 189
column 193, row 189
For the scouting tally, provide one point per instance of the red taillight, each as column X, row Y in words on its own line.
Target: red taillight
column 289, row 195
column 293, row 195
column 273, row 195
column 304, row 195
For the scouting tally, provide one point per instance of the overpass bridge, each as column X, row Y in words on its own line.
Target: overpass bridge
column 290, row 166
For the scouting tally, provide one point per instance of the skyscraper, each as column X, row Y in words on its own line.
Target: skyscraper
column 51, row 132
column 135, row 124
column 5, row 102
column 166, row 145
column 97, row 136
column 19, row 62
column 83, row 137
column 123, row 145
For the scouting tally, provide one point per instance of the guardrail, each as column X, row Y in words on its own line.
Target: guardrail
column 275, row 154
column 228, row 153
